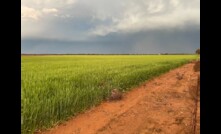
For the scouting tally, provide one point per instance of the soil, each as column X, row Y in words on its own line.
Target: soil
column 162, row 105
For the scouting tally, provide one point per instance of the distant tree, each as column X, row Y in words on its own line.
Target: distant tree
column 198, row 51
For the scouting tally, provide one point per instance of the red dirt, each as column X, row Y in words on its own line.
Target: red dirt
column 162, row 105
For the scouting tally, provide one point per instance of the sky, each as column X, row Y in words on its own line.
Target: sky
column 110, row 26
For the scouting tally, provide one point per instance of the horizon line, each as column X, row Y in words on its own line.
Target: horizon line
column 106, row 54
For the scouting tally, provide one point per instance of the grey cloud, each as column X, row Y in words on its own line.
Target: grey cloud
column 110, row 26
column 117, row 16
column 161, row 41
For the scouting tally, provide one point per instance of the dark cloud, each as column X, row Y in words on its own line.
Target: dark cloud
column 111, row 26
column 161, row 41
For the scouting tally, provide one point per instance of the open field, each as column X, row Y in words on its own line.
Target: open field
column 57, row 87
column 162, row 105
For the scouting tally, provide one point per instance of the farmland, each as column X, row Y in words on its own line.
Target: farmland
column 55, row 88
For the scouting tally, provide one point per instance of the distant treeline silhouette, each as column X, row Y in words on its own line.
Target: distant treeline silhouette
column 110, row 54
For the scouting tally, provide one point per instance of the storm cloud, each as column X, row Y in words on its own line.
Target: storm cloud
column 110, row 26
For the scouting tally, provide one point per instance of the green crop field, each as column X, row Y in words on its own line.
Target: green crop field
column 55, row 88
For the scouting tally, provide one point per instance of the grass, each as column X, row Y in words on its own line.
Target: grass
column 55, row 88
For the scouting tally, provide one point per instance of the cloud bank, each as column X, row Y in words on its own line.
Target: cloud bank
column 147, row 24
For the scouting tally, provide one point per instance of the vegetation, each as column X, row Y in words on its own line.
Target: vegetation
column 55, row 88
column 198, row 51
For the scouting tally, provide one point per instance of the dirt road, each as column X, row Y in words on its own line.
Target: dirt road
column 162, row 105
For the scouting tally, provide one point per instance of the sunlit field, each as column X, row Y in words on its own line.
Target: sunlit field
column 55, row 88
